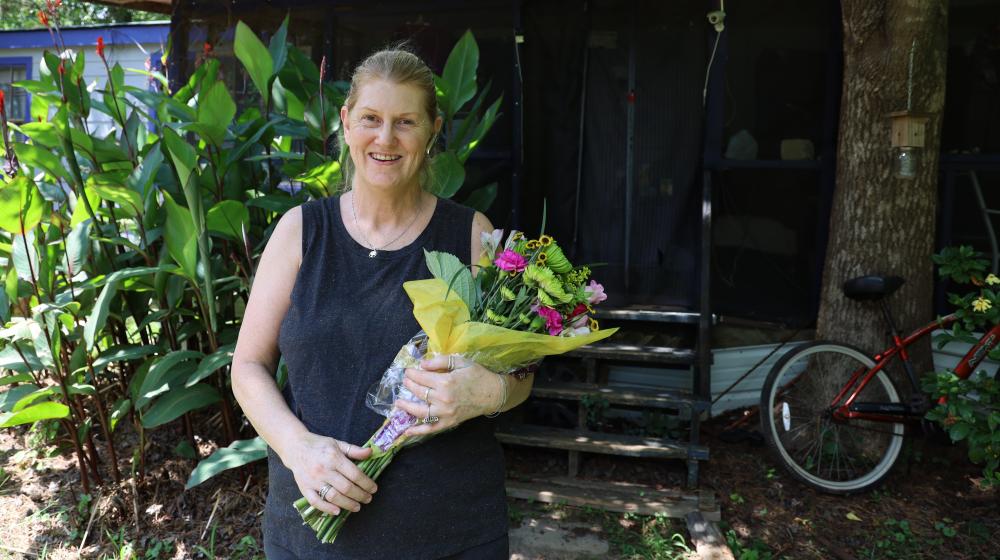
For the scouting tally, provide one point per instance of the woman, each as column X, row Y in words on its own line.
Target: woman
column 328, row 297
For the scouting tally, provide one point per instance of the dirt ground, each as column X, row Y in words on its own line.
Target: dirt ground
column 932, row 507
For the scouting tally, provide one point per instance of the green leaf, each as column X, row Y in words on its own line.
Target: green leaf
column 450, row 270
column 447, row 174
column 286, row 102
column 110, row 187
column 39, row 158
column 80, row 213
column 223, row 356
column 323, row 180
column 162, row 374
column 41, row 133
column 32, row 414
column 102, row 305
column 124, row 353
column 185, row 449
column 228, row 218
column 119, row 411
column 278, row 46
column 10, row 397
column 16, row 378
column 482, row 198
column 959, row 431
column 459, row 76
column 483, row 127
column 238, row 453
column 278, row 202
column 255, row 58
column 20, row 202
column 182, row 154
column 177, row 402
column 216, row 110
column 25, row 256
column 77, row 248
column 181, row 237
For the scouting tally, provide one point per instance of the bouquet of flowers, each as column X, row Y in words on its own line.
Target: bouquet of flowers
column 526, row 302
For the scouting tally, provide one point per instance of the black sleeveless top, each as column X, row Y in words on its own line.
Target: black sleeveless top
column 348, row 317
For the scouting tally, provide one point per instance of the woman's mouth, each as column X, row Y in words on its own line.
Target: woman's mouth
column 384, row 158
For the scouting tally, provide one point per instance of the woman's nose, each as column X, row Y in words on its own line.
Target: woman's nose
column 385, row 134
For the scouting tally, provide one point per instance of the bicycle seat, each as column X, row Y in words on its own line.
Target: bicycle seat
column 865, row 288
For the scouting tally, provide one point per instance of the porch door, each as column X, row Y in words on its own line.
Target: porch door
column 613, row 110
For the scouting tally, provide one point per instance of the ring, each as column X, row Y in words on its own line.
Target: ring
column 430, row 419
column 324, row 491
column 427, row 395
column 451, row 362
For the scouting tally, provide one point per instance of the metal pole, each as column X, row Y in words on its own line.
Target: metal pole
column 517, row 117
column 630, row 147
column 582, row 130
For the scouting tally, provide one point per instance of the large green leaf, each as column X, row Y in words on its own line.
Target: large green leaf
column 482, row 198
column 216, row 110
column 20, row 202
column 118, row 412
column 16, row 378
column 182, row 154
column 10, row 397
column 238, row 453
column 459, row 77
column 255, row 57
column 102, row 305
column 482, row 127
column 41, row 159
column 11, row 358
column 25, row 256
column 162, row 374
column 111, row 187
column 447, row 174
column 123, row 353
column 77, row 248
column 80, row 209
column 181, row 236
column 447, row 268
column 32, row 414
column 142, row 176
column 278, row 46
column 177, row 402
column 286, row 102
column 228, row 218
column 223, row 356
column 322, row 180
column 41, row 133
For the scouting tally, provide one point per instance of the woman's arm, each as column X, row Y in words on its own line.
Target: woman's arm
column 470, row 390
column 314, row 460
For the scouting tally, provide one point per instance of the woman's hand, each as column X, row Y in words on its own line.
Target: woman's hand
column 317, row 461
column 452, row 395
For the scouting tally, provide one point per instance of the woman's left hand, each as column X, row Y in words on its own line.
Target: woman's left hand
column 454, row 395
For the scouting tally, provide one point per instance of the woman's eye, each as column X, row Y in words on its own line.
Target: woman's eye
column 369, row 119
column 406, row 122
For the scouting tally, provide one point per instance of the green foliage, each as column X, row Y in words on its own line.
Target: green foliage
column 129, row 257
column 971, row 408
column 22, row 14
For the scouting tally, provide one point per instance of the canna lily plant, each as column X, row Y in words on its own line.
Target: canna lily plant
column 128, row 257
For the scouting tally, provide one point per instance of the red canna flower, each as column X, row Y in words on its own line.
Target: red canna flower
column 100, row 47
column 207, row 49
column 62, row 69
column 3, row 109
column 322, row 69
column 43, row 18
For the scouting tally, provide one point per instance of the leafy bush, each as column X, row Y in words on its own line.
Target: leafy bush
column 129, row 257
column 970, row 411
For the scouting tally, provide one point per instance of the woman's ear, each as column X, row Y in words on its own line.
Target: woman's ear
column 438, row 123
column 344, row 122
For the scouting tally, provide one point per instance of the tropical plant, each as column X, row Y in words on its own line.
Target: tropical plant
column 129, row 256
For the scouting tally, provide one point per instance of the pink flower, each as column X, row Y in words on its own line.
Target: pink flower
column 511, row 261
column 553, row 320
column 595, row 292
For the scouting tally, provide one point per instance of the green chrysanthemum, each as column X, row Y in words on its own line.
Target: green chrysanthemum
column 545, row 280
column 495, row 318
column 507, row 293
column 556, row 260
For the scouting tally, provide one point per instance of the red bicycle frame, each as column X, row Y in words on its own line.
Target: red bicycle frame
column 894, row 412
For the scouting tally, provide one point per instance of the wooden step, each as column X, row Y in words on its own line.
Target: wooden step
column 619, row 395
column 651, row 314
column 663, row 355
column 597, row 442
column 615, row 496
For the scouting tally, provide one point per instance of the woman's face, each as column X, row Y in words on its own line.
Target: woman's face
column 388, row 132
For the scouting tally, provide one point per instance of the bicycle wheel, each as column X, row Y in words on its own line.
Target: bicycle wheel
column 835, row 456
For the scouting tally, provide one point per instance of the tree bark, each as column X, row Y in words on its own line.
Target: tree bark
column 880, row 224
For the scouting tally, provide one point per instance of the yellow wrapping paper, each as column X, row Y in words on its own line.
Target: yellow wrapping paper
column 449, row 331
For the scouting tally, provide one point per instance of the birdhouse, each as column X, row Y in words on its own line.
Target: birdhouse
column 908, row 137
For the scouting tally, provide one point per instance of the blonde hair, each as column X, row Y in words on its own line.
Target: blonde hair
column 398, row 65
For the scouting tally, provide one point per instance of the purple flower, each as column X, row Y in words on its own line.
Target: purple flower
column 391, row 430
column 511, row 261
column 595, row 292
column 553, row 320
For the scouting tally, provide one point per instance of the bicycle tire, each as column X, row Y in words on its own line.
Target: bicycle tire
column 855, row 463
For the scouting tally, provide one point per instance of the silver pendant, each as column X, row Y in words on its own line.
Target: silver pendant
column 372, row 253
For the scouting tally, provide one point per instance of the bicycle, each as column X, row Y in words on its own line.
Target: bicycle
column 844, row 438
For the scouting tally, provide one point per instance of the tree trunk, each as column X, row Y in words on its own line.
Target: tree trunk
column 880, row 224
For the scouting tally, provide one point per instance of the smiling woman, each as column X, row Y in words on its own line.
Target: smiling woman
column 328, row 297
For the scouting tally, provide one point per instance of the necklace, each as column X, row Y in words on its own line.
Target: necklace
column 374, row 250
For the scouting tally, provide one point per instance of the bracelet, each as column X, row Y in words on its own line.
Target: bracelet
column 503, row 385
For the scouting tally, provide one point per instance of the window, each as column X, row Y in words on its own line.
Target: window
column 17, row 100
